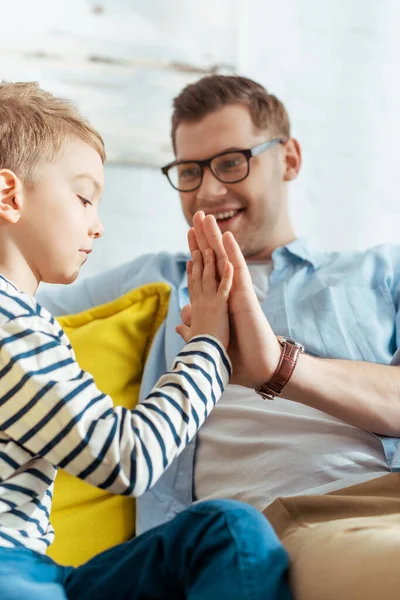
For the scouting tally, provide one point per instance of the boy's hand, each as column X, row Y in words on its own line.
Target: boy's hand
column 254, row 349
column 208, row 295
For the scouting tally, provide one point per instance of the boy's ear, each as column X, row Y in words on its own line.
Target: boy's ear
column 10, row 196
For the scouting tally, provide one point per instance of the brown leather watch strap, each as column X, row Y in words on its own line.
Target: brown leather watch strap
column 287, row 362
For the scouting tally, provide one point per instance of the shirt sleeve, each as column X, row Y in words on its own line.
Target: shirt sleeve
column 53, row 409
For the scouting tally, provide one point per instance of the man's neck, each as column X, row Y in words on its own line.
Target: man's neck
column 266, row 253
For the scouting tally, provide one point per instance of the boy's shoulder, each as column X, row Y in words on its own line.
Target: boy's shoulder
column 17, row 306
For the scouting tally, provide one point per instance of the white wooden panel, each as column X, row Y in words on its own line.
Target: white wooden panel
column 121, row 61
column 336, row 65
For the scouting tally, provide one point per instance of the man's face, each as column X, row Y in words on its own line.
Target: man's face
column 255, row 209
column 59, row 220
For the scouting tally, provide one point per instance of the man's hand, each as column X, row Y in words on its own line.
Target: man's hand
column 254, row 349
column 208, row 298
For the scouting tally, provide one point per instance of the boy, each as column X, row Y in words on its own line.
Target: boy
column 52, row 415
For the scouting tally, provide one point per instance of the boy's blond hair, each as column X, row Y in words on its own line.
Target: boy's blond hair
column 34, row 125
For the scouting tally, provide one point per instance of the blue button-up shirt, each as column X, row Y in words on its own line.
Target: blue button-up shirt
column 338, row 305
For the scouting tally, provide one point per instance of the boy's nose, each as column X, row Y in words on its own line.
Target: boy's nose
column 97, row 230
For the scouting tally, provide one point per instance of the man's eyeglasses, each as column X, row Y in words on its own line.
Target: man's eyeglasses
column 231, row 166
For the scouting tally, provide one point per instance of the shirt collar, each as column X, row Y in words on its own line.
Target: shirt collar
column 301, row 249
column 8, row 282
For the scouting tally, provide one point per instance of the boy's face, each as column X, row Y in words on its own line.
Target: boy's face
column 59, row 219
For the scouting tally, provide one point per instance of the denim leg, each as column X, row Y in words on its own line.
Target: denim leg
column 27, row 575
column 240, row 557
column 211, row 551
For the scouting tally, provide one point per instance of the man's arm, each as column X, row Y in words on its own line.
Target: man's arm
column 366, row 395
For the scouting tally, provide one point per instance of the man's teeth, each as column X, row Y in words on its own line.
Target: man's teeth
column 226, row 215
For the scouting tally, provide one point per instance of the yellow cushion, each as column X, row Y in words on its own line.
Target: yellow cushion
column 111, row 342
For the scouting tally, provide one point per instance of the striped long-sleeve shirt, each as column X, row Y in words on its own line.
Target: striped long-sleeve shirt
column 53, row 415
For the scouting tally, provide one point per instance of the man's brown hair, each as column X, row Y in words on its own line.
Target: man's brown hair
column 34, row 125
column 216, row 91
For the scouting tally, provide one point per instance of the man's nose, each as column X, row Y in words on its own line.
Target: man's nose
column 211, row 188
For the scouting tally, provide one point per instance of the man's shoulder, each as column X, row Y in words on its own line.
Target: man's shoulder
column 380, row 256
column 148, row 268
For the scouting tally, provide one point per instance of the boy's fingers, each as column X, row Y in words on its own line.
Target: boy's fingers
column 184, row 332
column 186, row 315
column 214, row 239
column 209, row 275
column 235, row 256
column 225, row 285
column 197, row 275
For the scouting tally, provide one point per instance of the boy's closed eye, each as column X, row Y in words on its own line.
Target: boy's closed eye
column 84, row 201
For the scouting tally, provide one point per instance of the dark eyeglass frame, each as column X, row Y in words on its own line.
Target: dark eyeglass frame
column 247, row 153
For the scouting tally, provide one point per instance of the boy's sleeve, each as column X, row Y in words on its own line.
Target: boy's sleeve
column 53, row 409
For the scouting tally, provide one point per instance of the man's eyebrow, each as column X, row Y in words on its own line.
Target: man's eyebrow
column 231, row 149
column 92, row 179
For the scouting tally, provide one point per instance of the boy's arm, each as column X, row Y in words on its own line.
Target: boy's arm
column 52, row 408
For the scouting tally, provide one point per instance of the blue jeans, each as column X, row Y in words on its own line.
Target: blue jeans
column 215, row 550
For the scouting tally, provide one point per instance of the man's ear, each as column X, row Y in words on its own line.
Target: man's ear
column 10, row 196
column 293, row 159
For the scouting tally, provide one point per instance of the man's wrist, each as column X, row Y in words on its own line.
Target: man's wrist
column 290, row 352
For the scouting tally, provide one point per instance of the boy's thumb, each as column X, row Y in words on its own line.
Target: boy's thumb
column 184, row 332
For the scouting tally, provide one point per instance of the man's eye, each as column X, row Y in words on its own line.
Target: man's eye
column 230, row 163
column 188, row 172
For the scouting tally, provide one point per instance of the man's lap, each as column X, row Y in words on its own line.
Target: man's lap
column 343, row 545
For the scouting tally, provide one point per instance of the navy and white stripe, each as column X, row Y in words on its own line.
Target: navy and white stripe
column 53, row 415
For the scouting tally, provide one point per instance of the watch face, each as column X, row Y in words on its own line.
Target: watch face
column 283, row 339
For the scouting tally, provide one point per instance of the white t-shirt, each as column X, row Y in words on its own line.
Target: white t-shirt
column 256, row 450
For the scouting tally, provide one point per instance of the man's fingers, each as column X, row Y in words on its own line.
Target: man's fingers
column 233, row 250
column 189, row 271
column 235, row 256
column 192, row 240
column 214, row 238
column 199, row 231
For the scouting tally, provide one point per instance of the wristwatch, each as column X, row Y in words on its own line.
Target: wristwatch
column 287, row 362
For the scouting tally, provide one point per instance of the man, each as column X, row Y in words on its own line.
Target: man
column 234, row 159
